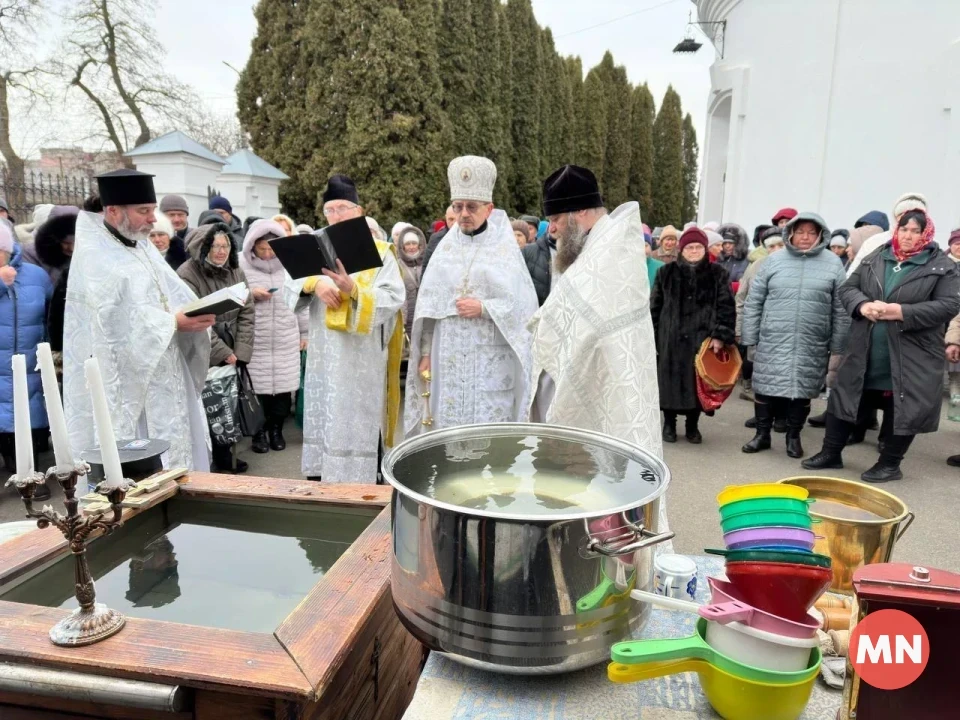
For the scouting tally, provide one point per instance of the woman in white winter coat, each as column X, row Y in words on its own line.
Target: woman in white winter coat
column 279, row 334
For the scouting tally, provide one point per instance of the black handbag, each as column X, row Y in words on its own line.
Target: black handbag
column 252, row 418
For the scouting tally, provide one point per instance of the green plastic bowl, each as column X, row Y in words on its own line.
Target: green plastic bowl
column 799, row 558
column 779, row 518
column 764, row 504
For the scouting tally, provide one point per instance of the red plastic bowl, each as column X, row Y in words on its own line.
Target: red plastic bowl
column 785, row 589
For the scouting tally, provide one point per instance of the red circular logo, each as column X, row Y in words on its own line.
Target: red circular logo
column 889, row 649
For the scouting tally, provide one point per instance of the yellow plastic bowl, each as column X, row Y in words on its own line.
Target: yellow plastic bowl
column 732, row 697
column 733, row 493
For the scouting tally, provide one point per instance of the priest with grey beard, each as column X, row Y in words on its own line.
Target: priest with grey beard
column 123, row 308
column 594, row 356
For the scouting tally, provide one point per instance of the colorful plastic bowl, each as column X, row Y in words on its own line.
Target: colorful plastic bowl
column 784, row 589
column 799, row 557
column 764, row 504
column 734, row 493
column 764, row 519
column 770, row 538
column 732, row 697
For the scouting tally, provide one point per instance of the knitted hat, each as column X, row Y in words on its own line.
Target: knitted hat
column 6, row 237
column 838, row 241
column 787, row 213
column 691, row 224
column 909, row 201
column 174, row 203
column 41, row 212
column 714, row 238
column 472, row 177
column 340, row 187
column 395, row 231
column 218, row 202
column 954, row 237
column 163, row 225
column 569, row 189
column 771, row 236
column 712, row 225
column 669, row 231
column 438, row 226
column 693, row 235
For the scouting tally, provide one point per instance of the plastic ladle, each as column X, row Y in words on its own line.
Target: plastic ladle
column 723, row 613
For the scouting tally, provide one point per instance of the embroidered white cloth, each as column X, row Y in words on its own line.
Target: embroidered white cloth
column 594, row 340
column 121, row 306
column 481, row 366
column 345, row 382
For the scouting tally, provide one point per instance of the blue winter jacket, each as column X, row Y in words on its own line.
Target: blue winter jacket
column 22, row 312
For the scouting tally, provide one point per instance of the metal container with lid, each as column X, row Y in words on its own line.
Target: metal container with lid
column 516, row 546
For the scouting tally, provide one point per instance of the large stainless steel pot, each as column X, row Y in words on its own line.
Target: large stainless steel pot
column 542, row 591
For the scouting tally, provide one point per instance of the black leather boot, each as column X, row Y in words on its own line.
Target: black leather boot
column 824, row 460
column 259, row 444
column 276, row 438
column 780, row 425
column 669, row 427
column 797, row 412
column 794, row 448
column 883, row 471
column 751, row 423
column 692, row 430
column 818, row 421
column 760, row 441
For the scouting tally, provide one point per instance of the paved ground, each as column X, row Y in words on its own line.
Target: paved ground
column 931, row 489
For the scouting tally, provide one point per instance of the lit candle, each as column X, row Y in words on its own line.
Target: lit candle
column 21, row 417
column 51, row 394
column 101, row 414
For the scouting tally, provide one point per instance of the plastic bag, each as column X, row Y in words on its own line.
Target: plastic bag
column 221, row 401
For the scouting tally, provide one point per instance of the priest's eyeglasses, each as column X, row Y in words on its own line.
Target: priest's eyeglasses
column 338, row 210
column 471, row 207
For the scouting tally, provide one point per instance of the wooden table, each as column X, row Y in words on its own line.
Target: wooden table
column 341, row 653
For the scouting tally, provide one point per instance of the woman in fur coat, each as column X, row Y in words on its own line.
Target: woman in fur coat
column 690, row 302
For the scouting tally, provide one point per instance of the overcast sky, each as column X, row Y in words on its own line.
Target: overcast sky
column 201, row 35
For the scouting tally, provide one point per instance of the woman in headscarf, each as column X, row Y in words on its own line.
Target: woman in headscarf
column 691, row 301
column 900, row 297
column 411, row 245
column 167, row 243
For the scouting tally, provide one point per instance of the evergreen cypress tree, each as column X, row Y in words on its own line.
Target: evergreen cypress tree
column 272, row 95
column 640, row 187
column 527, row 104
column 595, row 124
column 488, row 81
column 617, row 156
column 576, row 138
column 668, row 162
column 503, row 191
column 460, row 68
column 691, row 151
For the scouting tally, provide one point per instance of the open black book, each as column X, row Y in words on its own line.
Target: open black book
column 350, row 242
column 217, row 303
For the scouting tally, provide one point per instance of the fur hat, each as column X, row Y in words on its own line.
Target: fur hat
column 909, row 201
column 340, row 187
column 218, row 202
column 163, row 225
column 174, row 203
column 569, row 189
column 694, row 235
column 771, row 236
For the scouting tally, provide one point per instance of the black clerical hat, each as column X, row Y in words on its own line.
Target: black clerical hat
column 126, row 187
column 569, row 189
column 340, row 187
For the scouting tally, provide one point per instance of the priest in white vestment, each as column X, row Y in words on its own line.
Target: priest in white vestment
column 352, row 384
column 121, row 307
column 594, row 357
column 470, row 328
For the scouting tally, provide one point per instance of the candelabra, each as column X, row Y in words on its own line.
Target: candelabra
column 92, row 621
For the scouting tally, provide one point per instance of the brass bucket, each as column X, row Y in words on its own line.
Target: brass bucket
column 851, row 543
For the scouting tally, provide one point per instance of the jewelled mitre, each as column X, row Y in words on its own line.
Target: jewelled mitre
column 472, row 178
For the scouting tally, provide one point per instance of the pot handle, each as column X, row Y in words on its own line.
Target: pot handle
column 638, row 538
column 903, row 528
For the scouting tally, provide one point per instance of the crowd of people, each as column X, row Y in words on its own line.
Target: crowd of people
column 494, row 319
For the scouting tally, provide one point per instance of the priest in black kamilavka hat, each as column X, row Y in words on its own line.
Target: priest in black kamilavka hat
column 122, row 308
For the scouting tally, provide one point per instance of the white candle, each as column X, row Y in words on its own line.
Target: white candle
column 51, row 394
column 101, row 414
column 21, row 419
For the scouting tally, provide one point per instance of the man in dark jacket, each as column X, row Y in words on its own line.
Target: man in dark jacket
column 178, row 213
column 436, row 237
column 539, row 259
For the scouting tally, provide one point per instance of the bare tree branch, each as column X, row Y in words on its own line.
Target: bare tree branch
column 100, row 105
